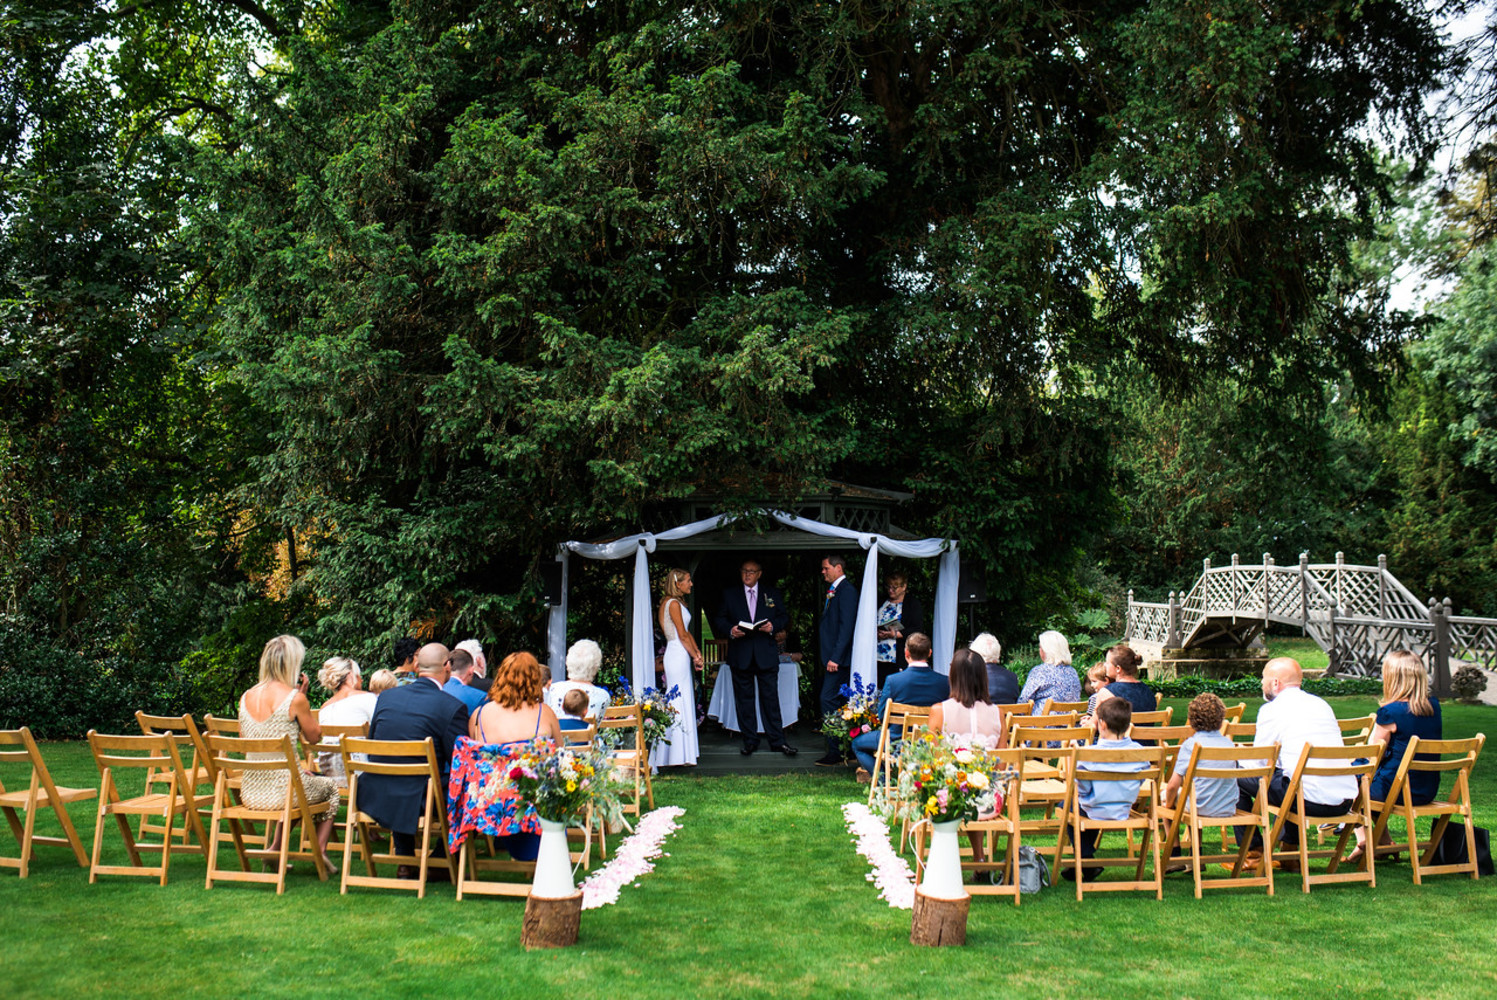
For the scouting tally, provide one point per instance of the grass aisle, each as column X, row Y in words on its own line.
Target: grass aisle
column 762, row 895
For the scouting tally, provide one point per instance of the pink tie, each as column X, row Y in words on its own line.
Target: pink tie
column 753, row 601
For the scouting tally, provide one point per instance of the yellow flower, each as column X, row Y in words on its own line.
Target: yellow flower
column 571, row 786
column 977, row 780
column 930, row 806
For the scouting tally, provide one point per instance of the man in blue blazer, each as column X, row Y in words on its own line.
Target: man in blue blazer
column 754, row 656
column 413, row 712
column 838, row 616
column 916, row 684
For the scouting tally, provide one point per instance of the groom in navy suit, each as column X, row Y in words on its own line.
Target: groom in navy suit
column 753, row 656
column 838, row 616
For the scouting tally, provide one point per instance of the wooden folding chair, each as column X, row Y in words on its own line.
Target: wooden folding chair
column 1005, row 824
column 592, row 824
column 220, row 725
column 432, row 822
column 1016, row 709
column 1159, row 717
column 1357, row 729
column 905, row 717
column 326, row 759
column 1171, row 736
column 1229, row 764
column 1060, row 720
column 1449, row 755
column 1234, row 712
column 1053, row 707
column 232, row 756
column 632, row 757
column 1357, row 761
column 41, row 793
column 1143, row 816
column 1158, row 697
column 1044, row 785
column 190, row 747
column 1240, row 731
column 151, row 754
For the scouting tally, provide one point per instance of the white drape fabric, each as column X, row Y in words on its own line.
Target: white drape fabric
column 865, row 632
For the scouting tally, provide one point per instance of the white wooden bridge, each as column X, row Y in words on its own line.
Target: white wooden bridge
column 1355, row 613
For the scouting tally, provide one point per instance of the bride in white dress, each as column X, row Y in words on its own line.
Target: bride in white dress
column 680, row 654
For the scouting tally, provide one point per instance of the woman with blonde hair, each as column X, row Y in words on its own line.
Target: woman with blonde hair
column 1053, row 678
column 681, row 654
column 276, row 707
column 513, row 716
column 350, row 705
column 1406, row 710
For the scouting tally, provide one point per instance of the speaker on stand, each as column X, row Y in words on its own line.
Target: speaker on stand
column 971, row 592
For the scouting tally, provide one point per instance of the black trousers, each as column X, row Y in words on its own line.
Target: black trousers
column 768, row 685
column 1247, row 790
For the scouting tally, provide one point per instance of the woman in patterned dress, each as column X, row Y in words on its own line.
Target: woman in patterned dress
column 276, row 707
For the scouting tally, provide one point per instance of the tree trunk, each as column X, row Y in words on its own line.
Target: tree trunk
column 939, row 922
column 553, row 923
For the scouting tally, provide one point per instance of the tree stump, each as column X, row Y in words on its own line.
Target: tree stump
column 551, row 923
column 939, row 922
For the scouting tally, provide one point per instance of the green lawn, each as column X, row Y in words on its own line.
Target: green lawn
column 1309, row 655
column 762, row 895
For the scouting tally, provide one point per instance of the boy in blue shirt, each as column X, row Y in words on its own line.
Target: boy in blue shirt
column 1107, row 800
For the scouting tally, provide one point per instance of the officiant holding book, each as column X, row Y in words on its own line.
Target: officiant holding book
column 749, row 615
column 900, row 615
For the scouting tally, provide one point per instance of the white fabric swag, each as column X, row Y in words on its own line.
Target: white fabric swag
column 865, row 633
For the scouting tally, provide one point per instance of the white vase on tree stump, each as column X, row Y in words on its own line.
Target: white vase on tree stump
column 941, row 901
column 553, row 911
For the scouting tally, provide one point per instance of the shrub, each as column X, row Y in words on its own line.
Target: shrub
column 1468, row 683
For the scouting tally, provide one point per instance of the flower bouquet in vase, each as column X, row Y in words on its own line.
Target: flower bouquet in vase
column 658, row 710
column 564, row 785
column 857, row 716
column 943, row 785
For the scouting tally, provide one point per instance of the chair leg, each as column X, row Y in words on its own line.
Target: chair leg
column 27, row 846
column 166, row 840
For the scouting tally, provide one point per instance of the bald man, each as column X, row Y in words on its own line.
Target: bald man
column 413, row 712
column 1292, row 718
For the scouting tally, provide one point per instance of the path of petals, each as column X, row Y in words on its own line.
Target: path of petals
column 632, row 859
column 891, row 873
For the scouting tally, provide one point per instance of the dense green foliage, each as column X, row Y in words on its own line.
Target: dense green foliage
column 337, row 316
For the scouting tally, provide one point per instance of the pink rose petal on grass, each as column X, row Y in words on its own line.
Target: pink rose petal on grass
column 891, row 873
column 632, row 858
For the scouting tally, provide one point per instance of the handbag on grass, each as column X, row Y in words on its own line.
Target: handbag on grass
column 1451, row 850
column 1034, row 871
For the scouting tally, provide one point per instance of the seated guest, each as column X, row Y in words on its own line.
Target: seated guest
column 583, row 661
column 968, row 718
column 1053, row 677
column 1096, row 680
column 573, row 710
column 1293, row 718
column 405, row 660
column 350, row 705
column 461, row 666
column 512, row 717
column 413, row 712
column 1213, row 796
column 381, row 681
column 479, row 678
column 1107, row 800
column 1122, row 680
column 276, row 707
column 916, row 684
column 1003, row 683
column 1407, row 710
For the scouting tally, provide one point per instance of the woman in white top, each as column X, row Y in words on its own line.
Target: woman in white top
column 968, row 719
column 680, row 654
column 583, row 661
column 350, row 705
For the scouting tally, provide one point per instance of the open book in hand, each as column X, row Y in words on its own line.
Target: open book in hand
column 750, row 626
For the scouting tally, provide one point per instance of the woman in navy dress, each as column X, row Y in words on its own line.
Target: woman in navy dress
column 1407, row 710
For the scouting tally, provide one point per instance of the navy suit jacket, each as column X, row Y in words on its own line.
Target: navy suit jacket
column 756, row 652
column 914, row 686
column 412, row 712
column 837, row 621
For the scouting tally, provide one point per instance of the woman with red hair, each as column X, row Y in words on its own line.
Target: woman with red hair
column 513, row 716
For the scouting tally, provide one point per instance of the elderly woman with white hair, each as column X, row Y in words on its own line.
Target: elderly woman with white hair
column 1003, row 683
column 1053, row 678
column 583, row 661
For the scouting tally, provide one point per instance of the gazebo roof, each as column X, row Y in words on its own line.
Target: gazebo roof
column 858, row 508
